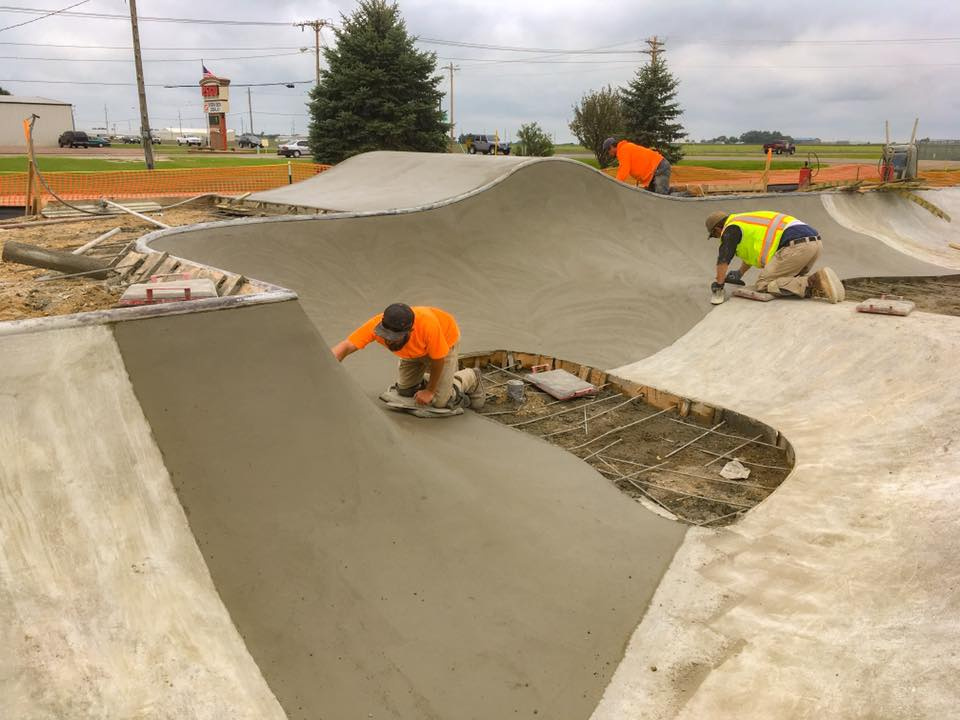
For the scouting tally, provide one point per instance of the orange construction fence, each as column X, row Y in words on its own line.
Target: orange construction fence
column 156, row 183
column 705, row 179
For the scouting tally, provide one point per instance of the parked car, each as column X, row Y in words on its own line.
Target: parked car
column 485, row 144
column 780, row 147
column 98, row 141
column 189, row 140
column 248, row 140
column 294, row 148
column 130, row 139
column 155, row 139
column 73, row 138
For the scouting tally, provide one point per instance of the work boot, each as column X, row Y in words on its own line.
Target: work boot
column 825, row 283
column 469, row 382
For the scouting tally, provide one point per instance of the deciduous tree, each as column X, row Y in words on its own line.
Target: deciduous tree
column 533, row 141
column 595, row 118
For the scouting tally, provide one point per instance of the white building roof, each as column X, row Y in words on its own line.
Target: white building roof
column 23, row 100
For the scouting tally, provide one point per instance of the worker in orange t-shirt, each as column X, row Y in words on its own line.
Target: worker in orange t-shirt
column 648, row 167
column 425, row 339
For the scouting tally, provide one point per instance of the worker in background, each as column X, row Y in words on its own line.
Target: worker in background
column 425, row 339
column 782, row 247
column 647, row 167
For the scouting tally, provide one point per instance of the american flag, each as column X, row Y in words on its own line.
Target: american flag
column 206, row 73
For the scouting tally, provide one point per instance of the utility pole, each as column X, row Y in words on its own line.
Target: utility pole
column 451, row 67
column 655, row 49
column 106, row 123
column 145, row 136
column 317, row 26
column 250, row 108
column 180, row 120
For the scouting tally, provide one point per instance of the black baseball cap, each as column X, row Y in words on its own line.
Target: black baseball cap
column 397, row 321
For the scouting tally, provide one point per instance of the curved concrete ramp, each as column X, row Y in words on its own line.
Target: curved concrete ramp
column 107, row 609
column 555, row 258
column 902, row 224
column 382, row 568
column 394, row 180
column 836, row 597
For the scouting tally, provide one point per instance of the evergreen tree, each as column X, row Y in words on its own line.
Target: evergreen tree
column 650, row 109
column 595, row 118
column 378, row 92
column 3, row 92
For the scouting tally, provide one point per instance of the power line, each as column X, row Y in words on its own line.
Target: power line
column 121, row 84
column 163, row 60
column 115, row 16
column 48, row 14
column 154, row 49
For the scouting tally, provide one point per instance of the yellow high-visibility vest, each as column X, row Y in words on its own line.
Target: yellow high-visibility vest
column 762, row 230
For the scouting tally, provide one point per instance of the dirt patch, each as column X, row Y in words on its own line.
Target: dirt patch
column 24, row 295
column 652, row 455
column 936, row 295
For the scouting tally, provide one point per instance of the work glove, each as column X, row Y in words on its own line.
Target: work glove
column 734, row 277
column 718, row 295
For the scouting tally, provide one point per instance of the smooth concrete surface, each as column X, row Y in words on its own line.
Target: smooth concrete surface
column 379, row 565
column 902, row 224
column 392, row 180
column 557, row 258
column 107, row 609
column 837, row 597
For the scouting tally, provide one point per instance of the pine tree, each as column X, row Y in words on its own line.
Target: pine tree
column 649, row 107
column 378, row 92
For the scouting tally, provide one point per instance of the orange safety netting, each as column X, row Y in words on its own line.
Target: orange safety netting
column 712, row 180
column 156, row 183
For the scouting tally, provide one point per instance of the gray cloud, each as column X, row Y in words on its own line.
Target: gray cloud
column 735, row 61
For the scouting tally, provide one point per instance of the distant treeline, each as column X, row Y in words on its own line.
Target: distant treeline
column 759, row 137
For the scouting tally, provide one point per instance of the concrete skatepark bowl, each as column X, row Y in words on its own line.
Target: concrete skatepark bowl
column 205, row 516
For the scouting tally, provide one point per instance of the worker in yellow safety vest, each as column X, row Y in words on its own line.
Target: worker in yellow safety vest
column 783, row 247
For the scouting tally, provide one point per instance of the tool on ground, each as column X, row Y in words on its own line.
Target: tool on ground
column 155, row 293
column 562, row 385
column 398, row 403
column 718, row 293
column 751, row 293
column 887, row 305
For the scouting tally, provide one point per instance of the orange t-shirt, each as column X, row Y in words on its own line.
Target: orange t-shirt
column 637, row 161
column 434, row 333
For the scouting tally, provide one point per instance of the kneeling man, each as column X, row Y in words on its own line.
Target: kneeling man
column 425, row 339
column 783, row 247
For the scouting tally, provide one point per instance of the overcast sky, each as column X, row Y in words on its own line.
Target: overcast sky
column 834, row 70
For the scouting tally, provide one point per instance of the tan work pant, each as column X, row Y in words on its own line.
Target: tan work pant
column 787, row 270
column 411, row 372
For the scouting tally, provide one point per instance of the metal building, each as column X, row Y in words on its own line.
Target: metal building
column 54, row 117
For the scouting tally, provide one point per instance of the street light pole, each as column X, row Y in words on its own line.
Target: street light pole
column 250, row 108
column 146, row 137
column 451, row 67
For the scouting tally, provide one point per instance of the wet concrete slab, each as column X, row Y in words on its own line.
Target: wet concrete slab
column 379, row 564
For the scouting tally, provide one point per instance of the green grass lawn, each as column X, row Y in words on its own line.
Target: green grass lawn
column 860, row 152
column 53, row 163
column 865, row 152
